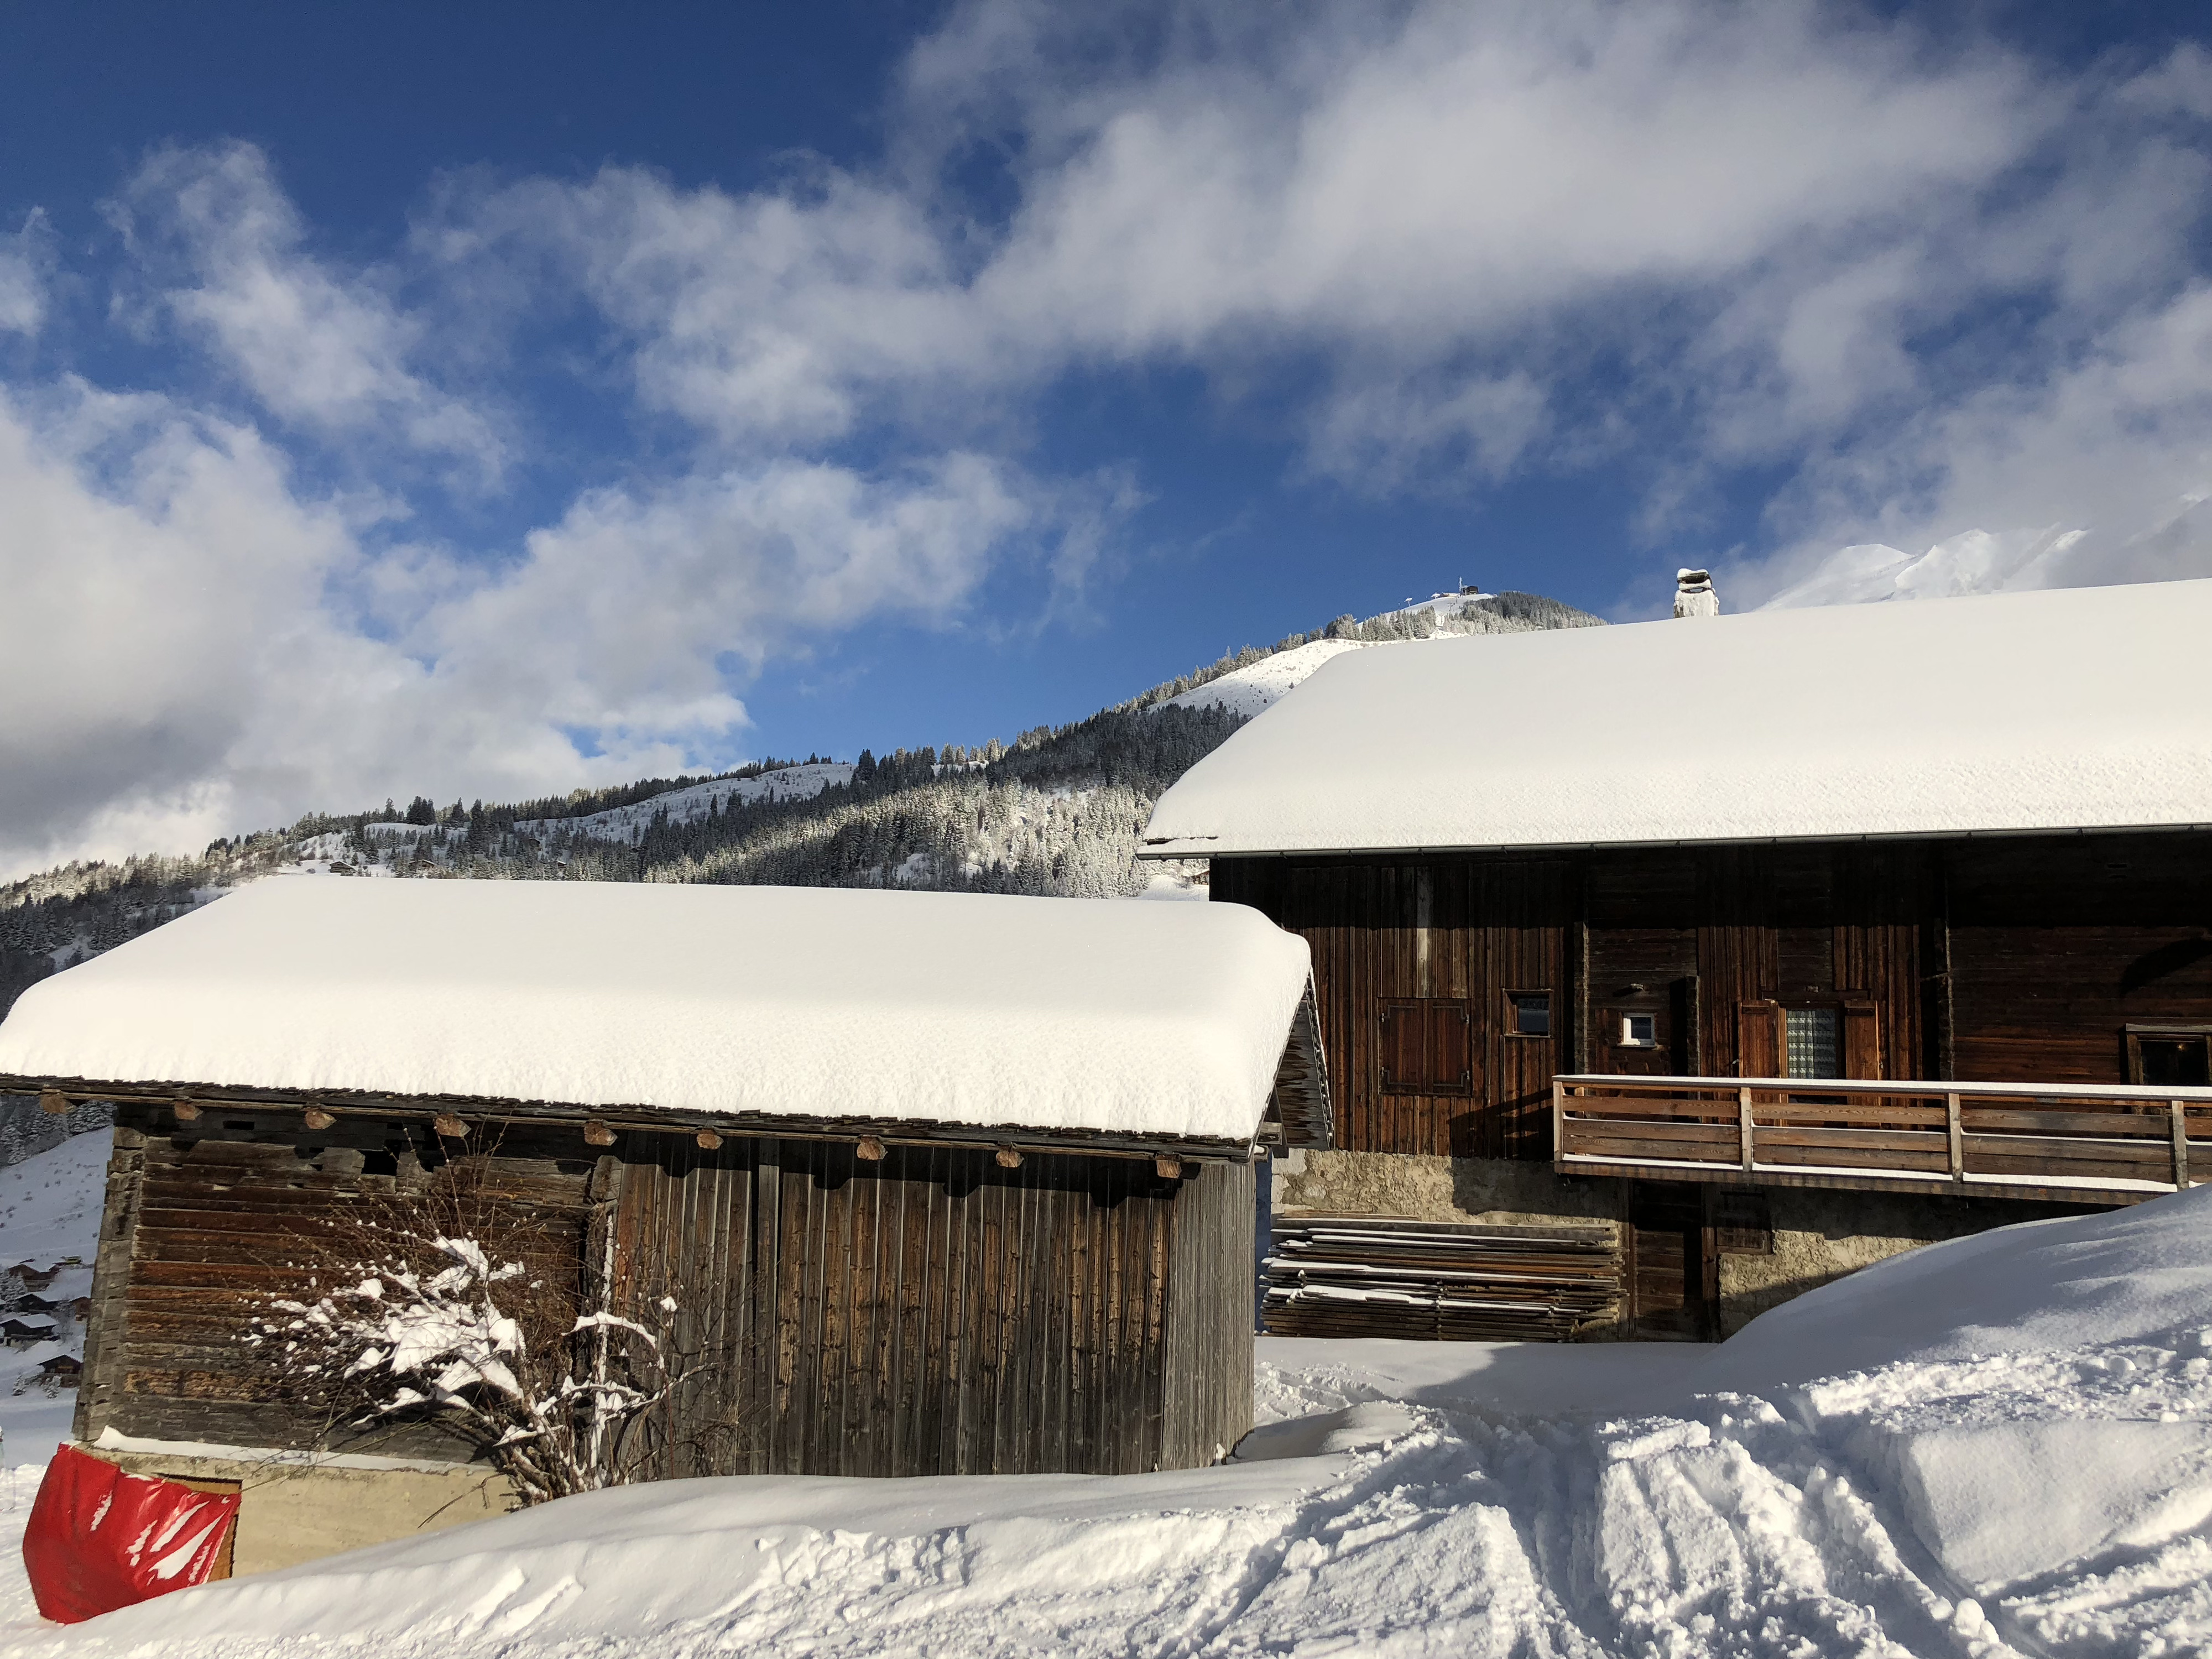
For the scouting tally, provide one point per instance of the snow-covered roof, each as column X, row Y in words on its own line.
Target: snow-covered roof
column 2077, row 709
column 1145, row 1020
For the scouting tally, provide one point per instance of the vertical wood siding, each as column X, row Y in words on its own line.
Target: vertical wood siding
column 2016, row 959
column 1439, row 928
column 1211, row 1290
column 934, row 1314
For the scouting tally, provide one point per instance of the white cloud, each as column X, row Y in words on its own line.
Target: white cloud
column 25, row 256
column 1952, row 297
column 215, row 652
column 225, row 252
column 2110, row 455
column 1425, row 235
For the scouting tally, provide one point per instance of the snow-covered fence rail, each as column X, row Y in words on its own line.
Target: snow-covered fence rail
column 2073, row 1142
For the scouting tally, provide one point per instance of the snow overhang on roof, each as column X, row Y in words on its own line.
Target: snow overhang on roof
column 1093, row 1017
column 2069, row 710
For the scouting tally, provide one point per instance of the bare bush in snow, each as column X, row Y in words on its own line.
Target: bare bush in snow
column 450, row 1310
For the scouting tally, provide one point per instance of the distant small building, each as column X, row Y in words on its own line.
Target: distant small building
column 21, row 1329
column 944, row 1184
column 1723, row 959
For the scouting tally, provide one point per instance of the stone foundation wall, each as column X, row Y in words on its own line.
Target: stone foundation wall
column 291, row 1513
column 1426, row 1188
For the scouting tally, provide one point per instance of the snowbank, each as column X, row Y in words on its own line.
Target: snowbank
column 2123, row 1276
column 1150, row 1019
column 2026, row 1472
column 2082, row 709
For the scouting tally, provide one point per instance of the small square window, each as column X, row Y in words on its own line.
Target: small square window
column 1531, row 1013
column 1639, row 1030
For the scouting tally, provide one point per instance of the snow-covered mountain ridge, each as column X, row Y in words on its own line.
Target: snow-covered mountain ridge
column 1056, row 811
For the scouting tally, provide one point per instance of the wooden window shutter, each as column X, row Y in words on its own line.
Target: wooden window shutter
column 1451, row 1048
column 1405, row 1043
column 1425, row 1046
column 1759, row 1050
column 1861, row 1038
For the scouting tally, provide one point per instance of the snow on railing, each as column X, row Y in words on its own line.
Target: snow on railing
column 2093, row 1142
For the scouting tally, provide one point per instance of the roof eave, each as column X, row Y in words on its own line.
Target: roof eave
column 632, row 1117
column 1212, row 849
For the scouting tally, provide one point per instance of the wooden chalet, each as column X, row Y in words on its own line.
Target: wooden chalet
column 941, row 1184
column 1765, row 944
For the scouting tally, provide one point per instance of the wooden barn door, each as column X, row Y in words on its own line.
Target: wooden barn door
column 1673, row 1271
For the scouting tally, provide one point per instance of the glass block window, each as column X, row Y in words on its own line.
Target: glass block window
column 1813, row 1046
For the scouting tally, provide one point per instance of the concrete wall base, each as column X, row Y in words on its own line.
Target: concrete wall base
column 290, row 1513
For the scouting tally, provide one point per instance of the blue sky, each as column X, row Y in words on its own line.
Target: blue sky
column 484, row 401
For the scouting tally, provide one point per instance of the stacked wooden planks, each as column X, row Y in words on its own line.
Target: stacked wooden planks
column 1382, row 1276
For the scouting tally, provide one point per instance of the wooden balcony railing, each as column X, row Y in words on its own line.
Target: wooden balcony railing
column 2074, row 1143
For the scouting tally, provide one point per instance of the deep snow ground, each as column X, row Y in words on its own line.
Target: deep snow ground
column 1990, row 1447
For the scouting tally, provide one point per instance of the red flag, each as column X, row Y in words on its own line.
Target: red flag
column 100, row 1539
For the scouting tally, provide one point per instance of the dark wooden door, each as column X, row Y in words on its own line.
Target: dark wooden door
column 1669, row 1262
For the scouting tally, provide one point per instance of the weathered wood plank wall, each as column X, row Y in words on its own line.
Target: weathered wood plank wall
column 933, row 1313
column 2016, row 959
column 1461, row 931
column 203, row 1227
column 929, row 1313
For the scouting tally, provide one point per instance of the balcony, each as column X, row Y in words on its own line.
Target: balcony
column 2068, row 1143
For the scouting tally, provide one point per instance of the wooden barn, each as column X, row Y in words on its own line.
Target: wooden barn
column 1669, row 970
column 937, row 1183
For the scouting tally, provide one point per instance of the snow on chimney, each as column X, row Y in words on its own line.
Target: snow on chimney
column 1694, row 595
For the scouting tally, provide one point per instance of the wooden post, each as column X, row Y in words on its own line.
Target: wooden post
column 1559, row 1118
column 1009, row 1158
column 1743, row 1127
column 708, row 1140
column 55, row 1105
column 1958, row 1136
column 871, row 1150
column 316, row 1118
column 596, row 1133
column 2181, row 1145
column 1168, row 1169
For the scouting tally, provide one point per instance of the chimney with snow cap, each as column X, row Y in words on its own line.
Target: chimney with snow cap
column 1694, row 595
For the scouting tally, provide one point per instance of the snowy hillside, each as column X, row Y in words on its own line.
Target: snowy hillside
column 1248, row 690
column 1990, row 1447
column 701, row 800
column 50, row 1206
column 1251, row 682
